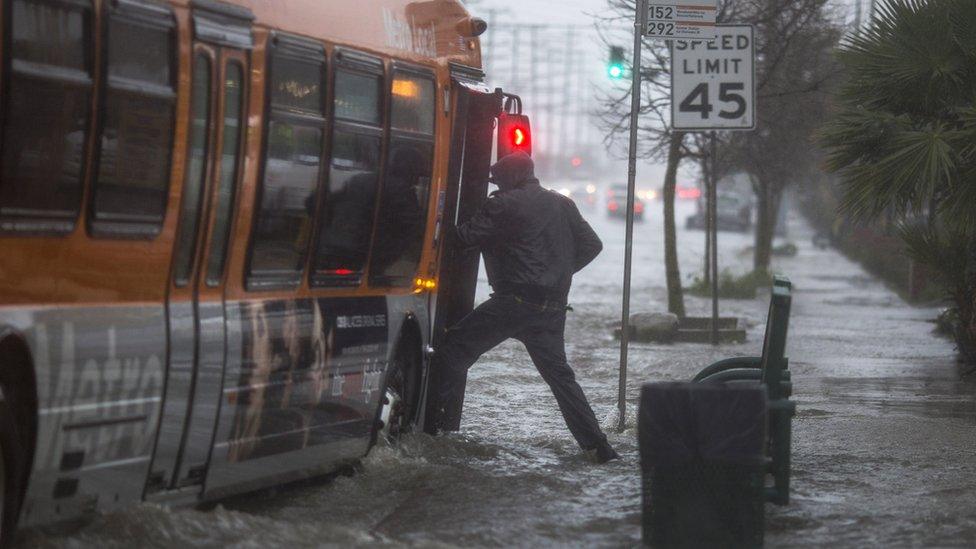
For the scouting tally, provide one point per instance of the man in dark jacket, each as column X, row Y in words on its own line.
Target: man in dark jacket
column 533, row 241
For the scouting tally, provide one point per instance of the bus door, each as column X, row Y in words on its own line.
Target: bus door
column 195, row 308
column 475, row 110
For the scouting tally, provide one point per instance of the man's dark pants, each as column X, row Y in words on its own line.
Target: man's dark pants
column 540, row 327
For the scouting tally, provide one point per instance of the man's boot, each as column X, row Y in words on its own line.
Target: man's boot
column 603, row 453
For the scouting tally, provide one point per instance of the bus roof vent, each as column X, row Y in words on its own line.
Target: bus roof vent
column 223, row 24
column 467, row 73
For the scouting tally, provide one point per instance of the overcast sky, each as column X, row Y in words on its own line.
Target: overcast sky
column 571, row 11
column 542, row 11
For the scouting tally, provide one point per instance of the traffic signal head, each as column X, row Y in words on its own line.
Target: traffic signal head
column 514, row 134
column 615, row 67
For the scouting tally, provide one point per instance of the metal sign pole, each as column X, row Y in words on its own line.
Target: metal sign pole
column 631, row 181
column 713, row 215
column 708, row 224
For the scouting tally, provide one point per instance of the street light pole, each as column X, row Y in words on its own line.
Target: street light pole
column 631, row 183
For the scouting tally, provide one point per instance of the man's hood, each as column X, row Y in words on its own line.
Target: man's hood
column 513, row 170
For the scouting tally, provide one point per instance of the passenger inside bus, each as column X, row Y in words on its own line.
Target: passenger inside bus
column 400, row 223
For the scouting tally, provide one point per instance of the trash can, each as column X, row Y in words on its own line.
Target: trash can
column 702, row 464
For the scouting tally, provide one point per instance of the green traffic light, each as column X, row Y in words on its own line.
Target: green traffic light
column 615, row 64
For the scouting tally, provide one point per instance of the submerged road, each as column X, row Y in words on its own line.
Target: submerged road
column 884, row 440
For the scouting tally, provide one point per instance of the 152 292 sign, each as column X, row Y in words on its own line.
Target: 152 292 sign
column 713, row 81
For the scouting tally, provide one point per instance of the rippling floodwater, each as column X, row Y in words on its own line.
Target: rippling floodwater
column 884, row 440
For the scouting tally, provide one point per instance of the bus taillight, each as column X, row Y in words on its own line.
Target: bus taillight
column 514, row 134
column 518, row 137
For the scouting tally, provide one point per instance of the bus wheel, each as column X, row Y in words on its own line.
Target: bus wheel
column 398, row 405
column 12, row 458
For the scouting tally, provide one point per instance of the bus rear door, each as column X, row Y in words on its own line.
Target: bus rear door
column 195, row 308
column 475, row 110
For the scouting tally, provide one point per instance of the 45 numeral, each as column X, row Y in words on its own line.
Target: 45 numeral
column 698, row 101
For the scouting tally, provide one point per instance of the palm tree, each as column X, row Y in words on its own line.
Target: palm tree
column 904, row 137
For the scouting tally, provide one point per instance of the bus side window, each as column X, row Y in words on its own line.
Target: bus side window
column 402, row 218
column 131, row 189
column 293, row 153
column 233, row 132
column 346, row 221
column 194, row 182
column 45, row 124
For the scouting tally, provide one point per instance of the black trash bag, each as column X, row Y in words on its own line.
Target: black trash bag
column 702, row 462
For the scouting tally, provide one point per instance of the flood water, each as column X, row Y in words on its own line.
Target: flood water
column 884, row 447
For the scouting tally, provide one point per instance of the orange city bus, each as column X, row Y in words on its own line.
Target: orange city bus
column 223, row 259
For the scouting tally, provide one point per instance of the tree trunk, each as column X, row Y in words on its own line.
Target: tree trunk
column 676, row 302
column 765, row 227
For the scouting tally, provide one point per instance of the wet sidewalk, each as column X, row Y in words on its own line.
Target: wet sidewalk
column 885, row 436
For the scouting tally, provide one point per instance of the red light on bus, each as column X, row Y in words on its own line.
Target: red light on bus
column 518, row 136
column 689, row 192
column 514, row 134
column 340, row 272
column 612, row 206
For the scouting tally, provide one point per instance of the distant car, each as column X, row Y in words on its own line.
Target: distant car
column 733, row 210
column 584, row 194
column 617, row 203
column 645, row 193
column 687, row 192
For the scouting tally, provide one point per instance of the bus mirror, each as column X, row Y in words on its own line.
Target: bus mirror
column 514, row 134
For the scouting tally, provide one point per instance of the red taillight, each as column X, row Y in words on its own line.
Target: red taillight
column 638, row 207
column 518, row 136
column 612, row 206
column 514, row 134
column 340, row 272
column 689, row 192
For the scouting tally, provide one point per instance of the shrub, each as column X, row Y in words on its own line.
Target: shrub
column 731, row 286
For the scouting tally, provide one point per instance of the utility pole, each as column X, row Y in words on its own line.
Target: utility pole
column 565, row 92
column 533, row 85
column 515, row 57
column 488, row 50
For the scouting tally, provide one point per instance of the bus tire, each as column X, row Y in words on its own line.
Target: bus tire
column 13, row 458
column 400, row 398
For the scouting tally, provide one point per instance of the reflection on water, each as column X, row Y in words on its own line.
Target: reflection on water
column 920, row 396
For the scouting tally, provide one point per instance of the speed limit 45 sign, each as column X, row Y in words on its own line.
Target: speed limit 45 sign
column 713, row 81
